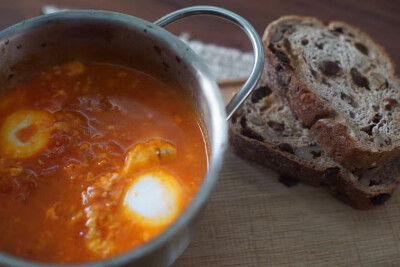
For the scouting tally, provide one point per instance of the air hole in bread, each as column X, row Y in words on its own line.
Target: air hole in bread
column 320, row 46
column 324, row 81
column 390, row 103
column 377, row 118
column 380, row 80
column 330, row 68
column 359, row 79
column 243, row 122
column 246, row 131
column 316, row 154
column 362, row 48
column 313, row 72
column 277, row 126
column 338, row 30
column 304, row 42
column 260, row 93
column 348, row 99
column 288, row 47
column 373, row 182
column 279, row 54
column 285, row 147
column 368, row 129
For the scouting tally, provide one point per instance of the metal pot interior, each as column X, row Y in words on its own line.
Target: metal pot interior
column 115, row 38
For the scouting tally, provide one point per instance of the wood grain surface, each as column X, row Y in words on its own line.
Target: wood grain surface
column 251, row 219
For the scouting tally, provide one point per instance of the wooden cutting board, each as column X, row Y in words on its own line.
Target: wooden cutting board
column 253, row 220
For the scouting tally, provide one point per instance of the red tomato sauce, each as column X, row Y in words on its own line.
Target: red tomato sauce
column 73, row 139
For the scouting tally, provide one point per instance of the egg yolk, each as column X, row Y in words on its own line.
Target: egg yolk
column 25, row 132
column 153, row 199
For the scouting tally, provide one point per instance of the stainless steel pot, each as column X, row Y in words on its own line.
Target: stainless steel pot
column 116, row 38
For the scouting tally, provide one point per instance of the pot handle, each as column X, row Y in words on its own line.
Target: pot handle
column 256, row 42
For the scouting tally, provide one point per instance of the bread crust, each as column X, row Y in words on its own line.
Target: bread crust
column 332, row 135
column 323, row 121
column 340, row 185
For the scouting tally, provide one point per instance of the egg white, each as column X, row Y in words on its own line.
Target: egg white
column 12, row 146
column 153, row 199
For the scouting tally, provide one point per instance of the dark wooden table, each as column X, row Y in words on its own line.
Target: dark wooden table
column 381, row 19
column 243, row 225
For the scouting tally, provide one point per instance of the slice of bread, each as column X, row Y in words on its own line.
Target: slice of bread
column 340, row 83
column 266, row 131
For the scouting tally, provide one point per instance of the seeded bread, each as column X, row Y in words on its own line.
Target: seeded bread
column 266, row 131
column 340, row 83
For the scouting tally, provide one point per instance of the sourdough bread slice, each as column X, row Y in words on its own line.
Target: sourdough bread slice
column 266, row 131
column 340, row 83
